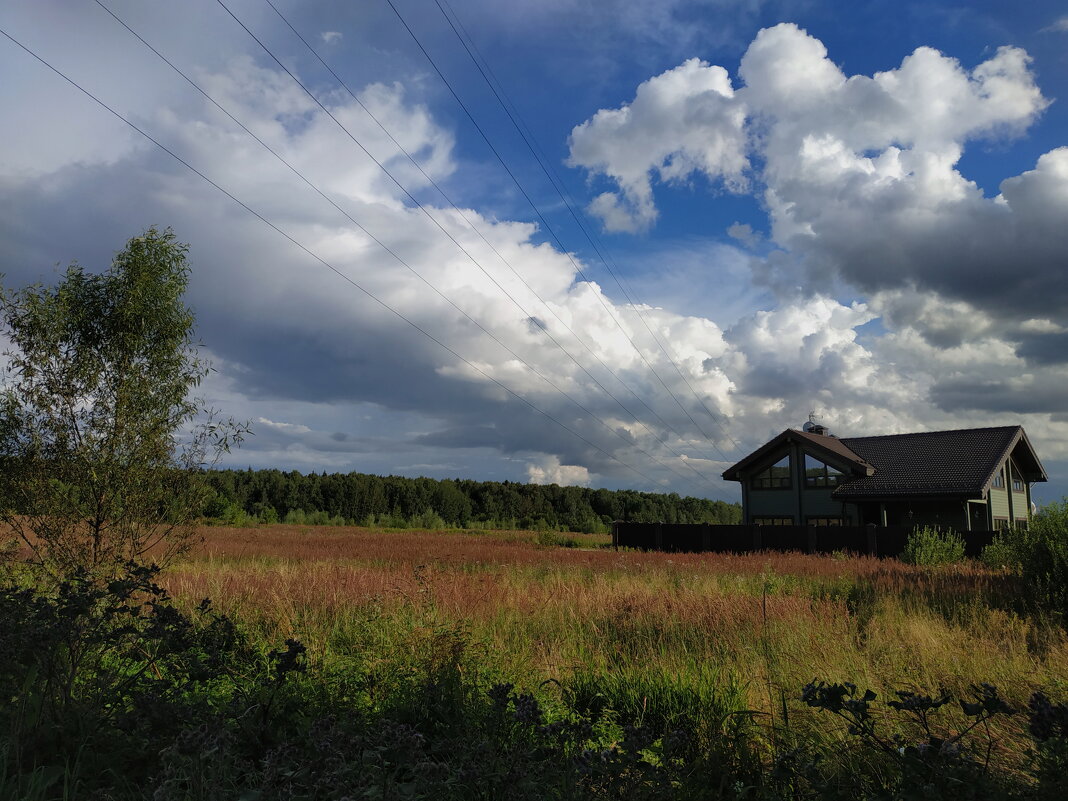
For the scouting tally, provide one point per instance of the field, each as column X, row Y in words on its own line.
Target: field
column 653, row 635
column 338, row 663
column 543, row 611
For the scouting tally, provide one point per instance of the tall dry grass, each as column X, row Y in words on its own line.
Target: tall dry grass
column 772, row 620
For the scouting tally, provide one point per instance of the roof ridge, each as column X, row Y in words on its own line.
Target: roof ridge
column 927, row 433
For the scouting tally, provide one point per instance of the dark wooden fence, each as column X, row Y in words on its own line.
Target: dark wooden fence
column 706, row 537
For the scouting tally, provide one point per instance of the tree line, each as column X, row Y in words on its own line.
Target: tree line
column 269, row 496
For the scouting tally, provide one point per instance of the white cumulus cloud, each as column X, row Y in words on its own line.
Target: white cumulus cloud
column 684, row 121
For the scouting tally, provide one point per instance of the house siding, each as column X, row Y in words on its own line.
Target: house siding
column 1021, row 508
column 819, row 503
column 798, row 502
column 999, row 503
column 772, row 503
column 999, row 499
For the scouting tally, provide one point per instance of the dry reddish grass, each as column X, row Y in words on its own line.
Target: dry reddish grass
column 791, row 615
column 769, row 621
column 306, row 543
column 396, row 556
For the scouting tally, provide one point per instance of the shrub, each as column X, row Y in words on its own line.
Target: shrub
column 926, row 760
column 1003, row 552
column 105, row 669
column 429, row 520
column 932, row 547
column 551, row 539
column 1042, row 551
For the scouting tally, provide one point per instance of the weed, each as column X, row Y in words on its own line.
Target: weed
column 933, row 547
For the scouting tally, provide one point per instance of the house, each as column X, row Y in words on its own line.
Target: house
column 969, row 479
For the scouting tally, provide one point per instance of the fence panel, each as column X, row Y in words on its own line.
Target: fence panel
column 784, row 538
column 829, row 539
column 730, row 539
column 884, row 541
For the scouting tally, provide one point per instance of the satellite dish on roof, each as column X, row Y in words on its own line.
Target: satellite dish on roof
column 814, row 426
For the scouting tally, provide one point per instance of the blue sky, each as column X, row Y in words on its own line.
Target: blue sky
column 854, row 209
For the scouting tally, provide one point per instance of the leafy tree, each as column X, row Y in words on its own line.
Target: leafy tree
column 99, row 434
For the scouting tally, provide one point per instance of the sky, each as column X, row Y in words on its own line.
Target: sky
column 613, row 244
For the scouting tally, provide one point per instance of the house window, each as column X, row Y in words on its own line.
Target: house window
column 1001, row 523
column 775, row 477
column 820, row 474
column 826, row 521
column 773, row 521
column 1021, row 524
column 999, row 479
column 1017, row 482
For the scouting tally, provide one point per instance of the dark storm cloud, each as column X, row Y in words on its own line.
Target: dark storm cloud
column 1044, row 349
column 1008, row 396
column 473, row 436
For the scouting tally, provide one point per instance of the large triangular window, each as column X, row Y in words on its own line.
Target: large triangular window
column 821, row 474
column 775, row 477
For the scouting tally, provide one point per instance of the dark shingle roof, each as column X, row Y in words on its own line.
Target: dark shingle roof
column 932, row 463
column 834, row 445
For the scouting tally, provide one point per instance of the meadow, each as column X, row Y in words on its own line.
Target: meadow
column 652, row 636
column 543, row 611
column 344, row 662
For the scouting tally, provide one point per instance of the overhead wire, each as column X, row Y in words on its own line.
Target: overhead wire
column 415, row 272
column 553, row 235
column 508, row 264
column 322, row 261
column 316, row 257
column 558, row 184
column 464, row 250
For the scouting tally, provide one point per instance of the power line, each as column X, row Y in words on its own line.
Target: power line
column 318, row 258
column 505, row 261
column 558, row 185
column 464, row 250
column 556, row 239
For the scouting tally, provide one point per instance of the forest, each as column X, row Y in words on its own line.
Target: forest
column 269, row 496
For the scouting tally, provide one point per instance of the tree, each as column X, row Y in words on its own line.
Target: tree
column 101, row 442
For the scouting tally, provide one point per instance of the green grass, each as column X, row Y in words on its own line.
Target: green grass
column 673, row 673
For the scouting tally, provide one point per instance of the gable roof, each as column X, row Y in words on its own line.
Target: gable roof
column 827, row 448
column 960, row 462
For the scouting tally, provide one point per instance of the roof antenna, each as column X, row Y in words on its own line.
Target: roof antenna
column 814, row 426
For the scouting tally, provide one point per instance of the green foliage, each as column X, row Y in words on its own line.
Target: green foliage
column 100, row 371
column 1048, row 725
column 550, row 539
column 398, row 502
column 117, row 693
column 1043, row 555
column 928, row 760
column 933, row 547
column 97, row 670
column 1002, row 552
column 1040, row 553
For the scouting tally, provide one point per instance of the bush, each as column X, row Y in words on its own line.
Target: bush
column 551, row 539
column 1042, row 551
column 1003, row 552
column 429, row 520
column 932, row 547
column 1039, row 554
column 105, row 669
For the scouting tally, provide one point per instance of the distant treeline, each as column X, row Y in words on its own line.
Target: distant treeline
column 269, row 496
